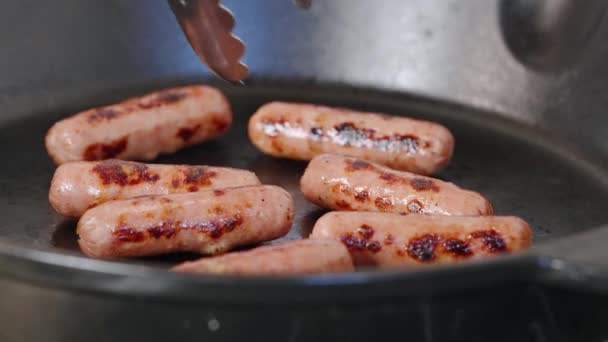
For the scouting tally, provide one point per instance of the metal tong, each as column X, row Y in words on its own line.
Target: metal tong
column 208, row 26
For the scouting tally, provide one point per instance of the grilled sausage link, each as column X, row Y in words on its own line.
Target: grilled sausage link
column 207, row 222
column 346, row 183
column 141, row 128
column 78, row 186
column 387, row 239
column 294, row 257
column 303, row 131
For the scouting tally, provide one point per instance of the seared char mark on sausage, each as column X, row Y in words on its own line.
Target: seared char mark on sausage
column 217, row 227
column 423, row 184
column 457, row 247
column 100, row 151
column 124, row 173
column 361, row 240
column 357, row 164
column 491, row 239
column 198, row 175
column 187, row 133
column 423, row 248
column 125, row 234
column 214, row 228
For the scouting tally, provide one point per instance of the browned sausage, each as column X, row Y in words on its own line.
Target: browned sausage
column 346, row 183
column 303, row 131
column 294, row 257
column 78, row 186
column 208, row 222
column 386, row 239
column 141, row 128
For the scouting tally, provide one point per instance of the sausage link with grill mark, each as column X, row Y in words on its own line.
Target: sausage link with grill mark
column 387, row 239
column 141, row 128
column 303, row 131
column 207, row 222
column 79, row 186
column 346, row 183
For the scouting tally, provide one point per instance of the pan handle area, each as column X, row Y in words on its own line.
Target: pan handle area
column 579, row 261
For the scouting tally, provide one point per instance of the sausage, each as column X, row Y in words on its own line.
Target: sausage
column 141, row 128
column 346, row 183
column 303, row 131
column 207, row 222
column 388, row 239
column 78, row 186
column 294, row 257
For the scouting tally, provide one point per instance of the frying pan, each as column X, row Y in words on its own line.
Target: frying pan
column 534, row 143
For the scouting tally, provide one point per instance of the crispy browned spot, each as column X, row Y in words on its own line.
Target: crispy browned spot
column 103, row 113
column 423, row 184
column 423, row 248
column 168, row 228
column 100, row 151
column 193, row 188
column 457, row 247
column 124, row 173
column 362, row 196
column 218, row 192
column 218, row 227
column 384, row 204
column 165, row 229
column 198, row 175
column 343, row 205
column 111, row 172
column 366, row 231
column 357, row 164
column 125, row 234
column 186, row 133
column 491, row 239
column 362, row 244
column 341, row 188
column 390, row 178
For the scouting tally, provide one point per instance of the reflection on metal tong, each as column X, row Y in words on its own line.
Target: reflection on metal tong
column 208, row 26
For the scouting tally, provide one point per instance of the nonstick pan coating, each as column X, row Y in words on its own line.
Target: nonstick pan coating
column 520, row 170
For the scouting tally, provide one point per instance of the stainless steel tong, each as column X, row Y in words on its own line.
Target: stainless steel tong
column 208, row 26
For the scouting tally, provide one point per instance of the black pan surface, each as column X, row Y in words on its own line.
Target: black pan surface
column 522, row 171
